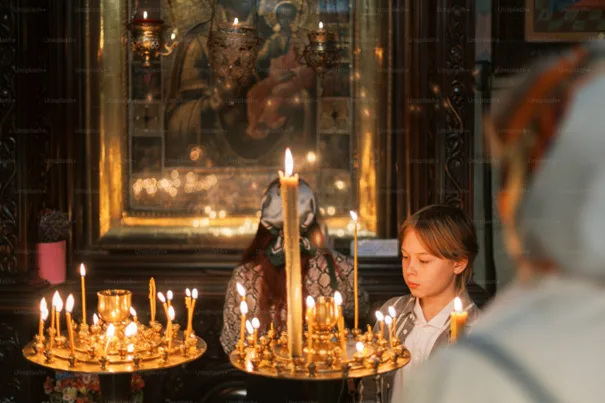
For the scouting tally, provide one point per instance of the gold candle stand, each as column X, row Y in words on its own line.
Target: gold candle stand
column 326, row 362
column 147, row 349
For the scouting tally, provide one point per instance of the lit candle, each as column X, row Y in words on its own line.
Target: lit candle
column 53, row 313
column 144, row 15
column 131, row 330
column 310, row 320
column 59, row 309
column 111, row 331
column 134, row 314
column 169, row 322
column 95, row 324
column 393, row 314
column 191, row 310
column 43, row 316
column 289, row 195
column 250, row 330
column 458, row 320
column 152, row 292
column 380, row 318
column 69, row 305
column 389, row 321
column 340, row 322
column 83, row 285
column 169, row 297
column 360, row 352
column 243, row 308
column 255, row 325
column 241, row 291
column 187, row 298
column 163, row 300
column 355, row 270
column 235, row 23
column 321, row 25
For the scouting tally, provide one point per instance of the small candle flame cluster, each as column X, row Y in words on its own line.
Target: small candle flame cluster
column 331, row 351
column 116, row 340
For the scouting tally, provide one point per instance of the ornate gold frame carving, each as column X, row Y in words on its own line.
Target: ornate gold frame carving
column 107, row 218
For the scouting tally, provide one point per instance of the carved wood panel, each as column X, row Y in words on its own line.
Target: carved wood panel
column 437, row 62
column 8, row 145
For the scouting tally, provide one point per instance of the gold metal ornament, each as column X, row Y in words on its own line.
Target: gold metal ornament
column 116, row 344
column 233, row 52
column 325, row 358
column 322, row 53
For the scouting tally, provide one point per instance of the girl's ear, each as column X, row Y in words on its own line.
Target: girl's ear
column 460, row 266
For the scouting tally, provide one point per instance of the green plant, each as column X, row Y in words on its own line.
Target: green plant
column 54, row 226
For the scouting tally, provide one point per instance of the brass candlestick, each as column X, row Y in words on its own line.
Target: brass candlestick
column 322, row 53
column 325, row 357
column 116, row 344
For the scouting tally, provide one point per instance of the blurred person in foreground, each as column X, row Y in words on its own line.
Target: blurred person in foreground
column 541, row 339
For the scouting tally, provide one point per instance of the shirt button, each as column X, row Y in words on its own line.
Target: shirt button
column 405, row 331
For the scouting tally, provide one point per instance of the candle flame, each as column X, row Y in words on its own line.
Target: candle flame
column 56, row 298
column 289, row 162
column 171, row 312
column 388, row 320
column 173, row 36
column 337, row 298
column 69, row 306
column 321, row 25
column 144, row 15
column 458, row 305
column 130, row 348
column 95, row 319
column 255, row 323
column 131, row 329
column 353, row 216
column 194, row 293
column 133, row 312
column 169, row 295
column 249, row 327
column 59, row 305
column 111, row 331
column 188, row 292
column 359, row 346
column 392, row 312
column 43, row 306
column 161, row 297
column 243, row 307
column 235, row 21
column 241, row 290
column 310, row 302
column 379, row 316
column 82, row 270
column 44, row 314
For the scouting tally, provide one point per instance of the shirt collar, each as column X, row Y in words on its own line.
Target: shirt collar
column 439, row 320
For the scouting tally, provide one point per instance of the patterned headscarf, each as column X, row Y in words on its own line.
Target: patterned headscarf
column 272, row 218
column 550, row 139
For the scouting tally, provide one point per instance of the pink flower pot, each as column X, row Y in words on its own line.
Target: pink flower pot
column 51, row 261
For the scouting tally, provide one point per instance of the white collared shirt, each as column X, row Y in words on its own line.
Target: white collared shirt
column 421, row 340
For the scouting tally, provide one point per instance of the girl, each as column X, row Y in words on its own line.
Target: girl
column 438, row 246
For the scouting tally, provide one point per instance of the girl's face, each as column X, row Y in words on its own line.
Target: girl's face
column 427, row 275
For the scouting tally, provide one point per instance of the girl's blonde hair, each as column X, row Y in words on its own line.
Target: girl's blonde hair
column 446, row 232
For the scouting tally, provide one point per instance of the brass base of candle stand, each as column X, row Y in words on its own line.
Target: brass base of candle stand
column 114, row 362
column 275, row 362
